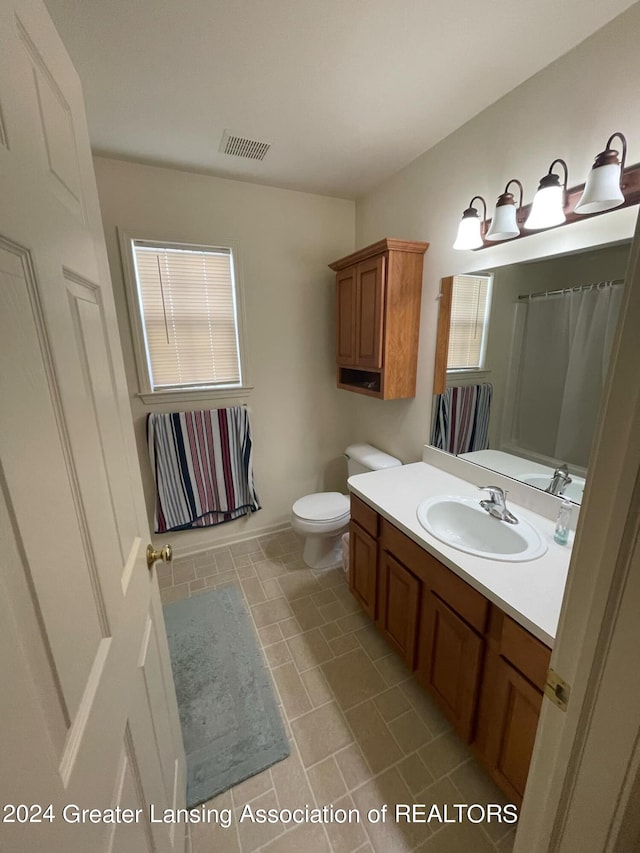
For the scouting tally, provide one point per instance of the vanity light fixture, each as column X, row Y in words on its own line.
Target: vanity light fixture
column 504, row 225
column 547, row 208
column 470, row 230
column 610, row 184
column 602, row 189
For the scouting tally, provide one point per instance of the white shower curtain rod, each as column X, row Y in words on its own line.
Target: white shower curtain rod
column 571, row 289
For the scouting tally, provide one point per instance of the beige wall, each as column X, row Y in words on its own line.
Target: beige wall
column 284, row 240
column 567, row 110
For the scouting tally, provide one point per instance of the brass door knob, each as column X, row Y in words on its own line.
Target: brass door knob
column 165, row 554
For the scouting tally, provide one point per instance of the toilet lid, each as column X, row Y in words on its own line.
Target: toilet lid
column 322, row 506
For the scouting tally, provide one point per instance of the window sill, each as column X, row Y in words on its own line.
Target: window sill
column 452, row 375
column 194, row 394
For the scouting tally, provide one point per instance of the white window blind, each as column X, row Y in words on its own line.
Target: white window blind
column 469, row 321
column 188, row 305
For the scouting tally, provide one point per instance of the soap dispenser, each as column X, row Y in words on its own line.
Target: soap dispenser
column 561, row 536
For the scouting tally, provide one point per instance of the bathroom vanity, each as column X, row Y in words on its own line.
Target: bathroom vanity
column 477, row 632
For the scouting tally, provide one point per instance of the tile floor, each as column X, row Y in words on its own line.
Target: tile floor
column 362, row 731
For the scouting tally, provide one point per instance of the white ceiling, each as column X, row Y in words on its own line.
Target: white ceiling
column 346, row 91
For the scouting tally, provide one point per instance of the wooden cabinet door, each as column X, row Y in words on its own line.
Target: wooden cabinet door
column 346, row 309
column 514, row 712
column 370, row 312
column 363, row 559
column 450, row 662
column 399, row 607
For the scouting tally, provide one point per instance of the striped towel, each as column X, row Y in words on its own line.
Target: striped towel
column 201, row 462
column 462, row 418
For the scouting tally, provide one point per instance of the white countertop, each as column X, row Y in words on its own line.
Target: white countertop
column 530, row 592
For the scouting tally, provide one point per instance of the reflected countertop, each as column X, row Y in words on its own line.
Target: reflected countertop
column 530, row 592
column 523, row 469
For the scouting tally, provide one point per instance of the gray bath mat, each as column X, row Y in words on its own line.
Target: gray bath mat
column 231, row 725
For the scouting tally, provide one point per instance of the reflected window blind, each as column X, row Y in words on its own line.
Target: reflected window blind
column 188, row 305
column 469, row 321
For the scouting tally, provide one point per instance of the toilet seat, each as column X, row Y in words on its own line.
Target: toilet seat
column 322, row 508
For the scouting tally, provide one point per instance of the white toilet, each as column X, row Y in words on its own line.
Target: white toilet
column 323, row 517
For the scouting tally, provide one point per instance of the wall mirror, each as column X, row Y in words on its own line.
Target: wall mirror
column 521, row 363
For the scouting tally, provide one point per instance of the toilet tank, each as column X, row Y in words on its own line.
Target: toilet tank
column 364, row 457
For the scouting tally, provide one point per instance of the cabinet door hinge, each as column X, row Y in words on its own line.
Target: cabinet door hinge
column 557, row 690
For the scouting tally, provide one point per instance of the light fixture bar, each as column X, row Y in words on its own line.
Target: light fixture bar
column 630, row 185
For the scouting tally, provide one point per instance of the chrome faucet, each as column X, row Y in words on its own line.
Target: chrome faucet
column 496, row 504
column 559, row 481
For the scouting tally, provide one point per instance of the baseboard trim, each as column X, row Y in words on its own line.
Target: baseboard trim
column 181, row 552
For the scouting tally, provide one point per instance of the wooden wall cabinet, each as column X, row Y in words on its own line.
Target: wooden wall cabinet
column 378, row 293
column 485, row 671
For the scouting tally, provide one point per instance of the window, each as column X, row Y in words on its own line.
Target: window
column 470, row 306
column 187, row 310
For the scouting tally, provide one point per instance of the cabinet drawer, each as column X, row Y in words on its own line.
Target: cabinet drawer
column 405, row 549
column 524, row 651
column 468, row 603
column 366, row 517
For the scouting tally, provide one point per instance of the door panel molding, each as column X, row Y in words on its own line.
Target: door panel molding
column 78, row 727
column 23, row 314
column 60, row 141
column 19, row 587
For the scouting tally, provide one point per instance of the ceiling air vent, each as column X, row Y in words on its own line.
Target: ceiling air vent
column 240, row 146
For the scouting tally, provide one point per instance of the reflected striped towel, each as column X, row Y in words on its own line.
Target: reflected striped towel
column 462, row 418
column 202, row 465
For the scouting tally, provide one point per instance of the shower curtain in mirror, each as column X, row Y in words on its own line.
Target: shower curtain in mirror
column 561, row 351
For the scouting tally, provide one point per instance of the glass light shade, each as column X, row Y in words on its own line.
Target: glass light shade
column 546, row 209
column 503, row 224
column 602, row 190
column 469, row 233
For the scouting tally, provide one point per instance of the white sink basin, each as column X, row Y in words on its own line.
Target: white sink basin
column 573, row 492
column 463, row 524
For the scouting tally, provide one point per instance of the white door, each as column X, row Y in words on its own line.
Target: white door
column 583, row 787
column 88, row 715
